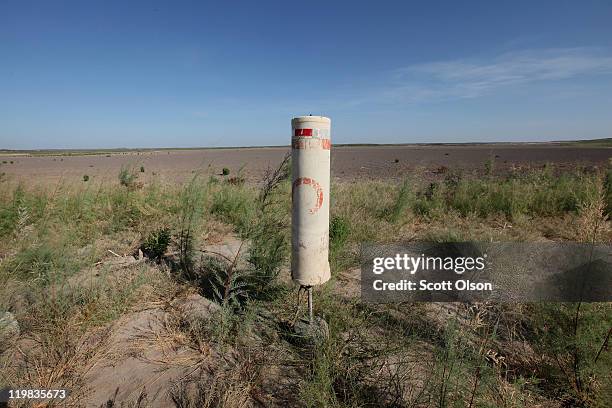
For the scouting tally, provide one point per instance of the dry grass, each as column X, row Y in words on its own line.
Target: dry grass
column 70, row 298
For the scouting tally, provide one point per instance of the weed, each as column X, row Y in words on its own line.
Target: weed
column 268, row 233
column 85, row 178
column 225, row 171
column 575, row 336
column 142, row 169
column 190, row 212
column 489, row 165
column 339, row 231
column 268, row 250
column 156, row 244
column 402, row 201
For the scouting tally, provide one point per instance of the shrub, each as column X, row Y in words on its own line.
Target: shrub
column 268, row 231
column 191, row 201
column 575, row 336
column 142, row 169
column 225, row 171
column 268, row 250
column 127, row 177
column 85, row 177
column 156, row 244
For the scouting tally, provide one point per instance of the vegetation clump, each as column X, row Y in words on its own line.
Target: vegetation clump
column 127, row 177
column 155, row 245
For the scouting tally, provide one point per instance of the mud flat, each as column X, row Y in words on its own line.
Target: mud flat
column 348, row 162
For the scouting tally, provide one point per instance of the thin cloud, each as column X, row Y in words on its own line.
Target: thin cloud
column 469, row 78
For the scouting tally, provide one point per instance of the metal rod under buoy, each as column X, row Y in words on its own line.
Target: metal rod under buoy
column 310, row 312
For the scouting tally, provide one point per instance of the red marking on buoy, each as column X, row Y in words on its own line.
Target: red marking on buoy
column 303, row 132
column 317, row 188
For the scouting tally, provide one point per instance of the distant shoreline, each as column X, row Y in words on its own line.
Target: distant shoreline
column 599, row 143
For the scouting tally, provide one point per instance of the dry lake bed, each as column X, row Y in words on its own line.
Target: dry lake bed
column 348, row 162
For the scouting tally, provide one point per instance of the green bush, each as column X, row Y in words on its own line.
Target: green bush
column 85, row 177
column 142, row 169
column 225, row 171
column 156, row 244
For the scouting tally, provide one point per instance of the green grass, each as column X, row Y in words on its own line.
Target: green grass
column 536, row 194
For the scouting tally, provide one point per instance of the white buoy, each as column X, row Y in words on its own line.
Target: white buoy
column 311, row 143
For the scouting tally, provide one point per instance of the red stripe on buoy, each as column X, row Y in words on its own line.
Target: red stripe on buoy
column 303, row 132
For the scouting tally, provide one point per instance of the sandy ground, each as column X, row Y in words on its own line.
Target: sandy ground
column 348, row 163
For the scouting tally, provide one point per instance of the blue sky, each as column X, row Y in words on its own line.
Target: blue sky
column 98, row 74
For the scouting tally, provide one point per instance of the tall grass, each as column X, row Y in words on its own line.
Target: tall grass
column 536, row 194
